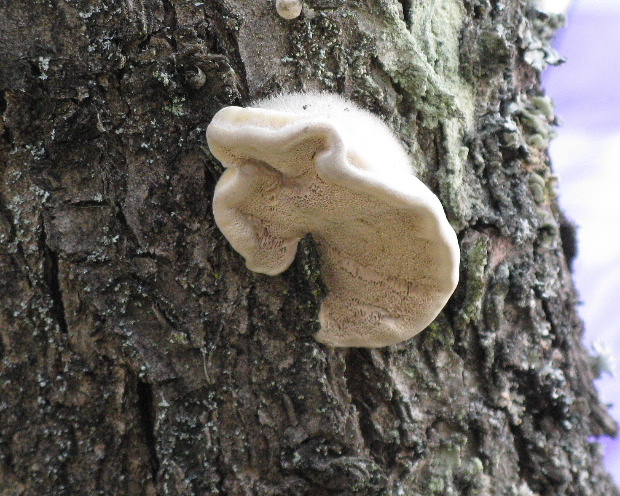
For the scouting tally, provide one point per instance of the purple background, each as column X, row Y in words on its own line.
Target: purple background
column 586, row 156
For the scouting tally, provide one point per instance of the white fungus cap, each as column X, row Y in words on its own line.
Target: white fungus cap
column 289, row 9
column 317, row 163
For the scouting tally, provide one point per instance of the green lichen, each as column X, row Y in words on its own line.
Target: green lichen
column 537, row 32
column 544, row 186
column 548, row 228
column 455, row 196
column 451, row 467
column 177, row 337
column 475, row 260
column 177, row 107
column 523, row 490
column 423, row 59
column 164, row 77
column 537, row 119
column 441, row 332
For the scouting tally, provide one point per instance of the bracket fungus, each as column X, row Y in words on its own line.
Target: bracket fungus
column 316, row 163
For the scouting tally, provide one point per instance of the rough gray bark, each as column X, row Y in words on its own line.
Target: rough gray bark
column 140, row 357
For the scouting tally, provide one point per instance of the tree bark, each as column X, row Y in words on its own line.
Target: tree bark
column 140, row 357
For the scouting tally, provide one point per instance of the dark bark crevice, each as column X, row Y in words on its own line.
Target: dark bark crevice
column 406, row 7
column 51, row 273
column 170, row 16
column 5, row 132
column 147, row 412
column 524, row 460
column 9, row 230
column 361, row 373
column 224, row 41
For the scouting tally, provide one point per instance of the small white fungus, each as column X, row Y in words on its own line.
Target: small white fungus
column 288, row 9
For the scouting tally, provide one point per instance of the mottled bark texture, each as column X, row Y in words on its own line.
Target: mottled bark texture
column 140, row 357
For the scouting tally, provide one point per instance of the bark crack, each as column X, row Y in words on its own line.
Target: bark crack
column 406, row 5
column 357, row 381
column 5, row 132
column 146, row 412
column 8, row 220
column 51, row 275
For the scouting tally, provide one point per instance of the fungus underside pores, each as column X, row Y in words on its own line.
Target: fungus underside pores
column 317, row 163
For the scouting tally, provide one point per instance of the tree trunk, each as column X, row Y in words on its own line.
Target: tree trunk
column 140, row 357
